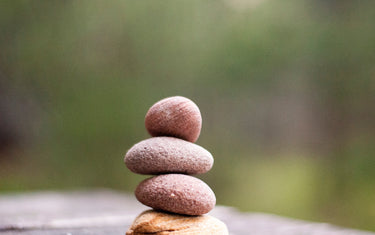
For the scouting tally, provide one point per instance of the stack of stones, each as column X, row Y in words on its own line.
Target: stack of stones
column 179, row 200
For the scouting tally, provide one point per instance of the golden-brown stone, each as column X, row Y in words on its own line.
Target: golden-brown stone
column 161, row 223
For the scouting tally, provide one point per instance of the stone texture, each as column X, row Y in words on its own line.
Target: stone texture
column 160, row 223
column 161, row 155
column 174, row 116
column 177, row 193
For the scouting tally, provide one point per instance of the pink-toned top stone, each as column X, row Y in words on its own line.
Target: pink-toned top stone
column 176, row 193
column 160, row 155
column 174, row 116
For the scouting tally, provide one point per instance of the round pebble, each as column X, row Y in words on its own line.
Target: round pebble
column 174, row 116
column 160, row 155
column 160, row 223
column 176, row 193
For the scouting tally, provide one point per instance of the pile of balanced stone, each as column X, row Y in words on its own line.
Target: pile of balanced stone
column 179, row 200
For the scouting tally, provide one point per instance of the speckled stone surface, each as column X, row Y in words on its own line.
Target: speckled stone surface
column 160, row 223
column 177, row 193
column 160, row 155
column 174, row 116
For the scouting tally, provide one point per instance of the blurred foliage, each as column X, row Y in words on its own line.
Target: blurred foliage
column 286, row 90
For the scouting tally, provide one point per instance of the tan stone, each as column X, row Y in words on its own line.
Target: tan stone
column 161, row 223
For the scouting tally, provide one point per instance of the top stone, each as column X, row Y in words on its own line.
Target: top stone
column 175, row 116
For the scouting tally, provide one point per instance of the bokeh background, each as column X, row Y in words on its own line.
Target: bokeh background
column 286, row 90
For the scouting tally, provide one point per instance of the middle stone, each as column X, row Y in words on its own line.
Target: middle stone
column 177, row 193
column 160, row 155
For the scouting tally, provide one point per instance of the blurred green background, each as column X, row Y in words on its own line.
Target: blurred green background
column 286, row 90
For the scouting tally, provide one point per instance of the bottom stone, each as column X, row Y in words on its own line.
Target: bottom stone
column 162, row 223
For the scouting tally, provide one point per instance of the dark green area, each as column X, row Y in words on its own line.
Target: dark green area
column 286, row 90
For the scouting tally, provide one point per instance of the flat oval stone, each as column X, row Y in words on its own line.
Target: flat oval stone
column 176, row 193
column 159, row 155
column 160, row 223
column 175, row 116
